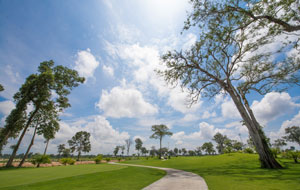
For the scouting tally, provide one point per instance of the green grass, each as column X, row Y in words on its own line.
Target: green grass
column 83, row 177
column 234, row 171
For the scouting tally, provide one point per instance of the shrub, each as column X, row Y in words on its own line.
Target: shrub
column 98, row 159
column 294, row 155
column 119, row 159
column 107, row 159
column 66, row 161
column 248, row 150
column 275, row 151
column 40, row 159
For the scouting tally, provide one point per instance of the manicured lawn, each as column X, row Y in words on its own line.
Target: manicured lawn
column 234, row 171
column 83, row 177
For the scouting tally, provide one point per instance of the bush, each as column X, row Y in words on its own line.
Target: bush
column 107, row 159
column 294, row 155
column 275, row 152
column 40, row 159
column 119, row 159
column 98, row 159
column 248, row 150
column 66, row 161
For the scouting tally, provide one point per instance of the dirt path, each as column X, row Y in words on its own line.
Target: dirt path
column 175, row 180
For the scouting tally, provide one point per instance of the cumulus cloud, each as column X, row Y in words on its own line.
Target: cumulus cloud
column 229, row 110
column 272, row 106
column 125, row 102
column 295, row 121
column 6, row 107
column 108, row 70
column 86, row 64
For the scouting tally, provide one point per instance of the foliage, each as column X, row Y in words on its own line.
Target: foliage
column 294, row 155
column 208, row 147
column 37, row 91
column 278, row 143
column 98, row 159
column 227, row 51
column 40, row 159
column 107, row 159
column 1, row 88
column 248, row 150
column 80, row 142
column 220, row 139
column 144, row 151
column 159, row 131
column 275, row 151
column 293, row 134
column 138, row 145
column 66, row 161
column 60, row 149
column 116, row 150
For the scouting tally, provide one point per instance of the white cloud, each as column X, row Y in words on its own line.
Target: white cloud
column 295, row 121
column 108, row 70
column 189, row 117
column 229, row 110
column 6, row 107
column 103, row 136
column 208, row 114
column 272, row 106
column 122, row 102
column 178, row 100
column 86, row 64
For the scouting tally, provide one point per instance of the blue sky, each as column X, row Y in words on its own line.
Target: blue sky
column 116, row 45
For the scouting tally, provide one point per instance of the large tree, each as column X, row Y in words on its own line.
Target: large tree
column 80, row 142
column 292, row 134
column 159, row 132
column 228, row 57
column 138, row 145
column 208, row 147
column 46, row 123
column 38, row 91
column 220, row 140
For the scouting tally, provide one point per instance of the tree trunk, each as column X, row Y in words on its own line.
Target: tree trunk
column 29, row 147
column 160, row 148
column 47, row 142
column 13, row 155
column 79, row 153
column 266, row 157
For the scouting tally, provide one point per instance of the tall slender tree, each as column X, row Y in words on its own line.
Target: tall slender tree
column 128, row 144
column 80, row 142
column 159, row 132
column 37, row 91
column 227, row 56
column 138, row 145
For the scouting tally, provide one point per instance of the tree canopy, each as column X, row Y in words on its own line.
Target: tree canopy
column 80, row 142
column 292, row 134
column 230, row 56
column 38, row 91
column 159, row 132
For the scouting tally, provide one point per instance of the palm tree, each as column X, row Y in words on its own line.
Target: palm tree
column 159, row 132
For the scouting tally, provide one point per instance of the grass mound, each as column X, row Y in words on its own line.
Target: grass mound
column 234, row 171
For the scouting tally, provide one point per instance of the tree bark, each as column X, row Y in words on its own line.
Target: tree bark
column 79, row 153
column 47, row 142
column 13, row 155
column 160, row 139
column 266, row 157
column 29, row 147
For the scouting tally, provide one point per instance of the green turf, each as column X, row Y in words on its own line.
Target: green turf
column 234, row 171
column 83, row 177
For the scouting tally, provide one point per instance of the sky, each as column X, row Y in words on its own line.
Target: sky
column 116, row 45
